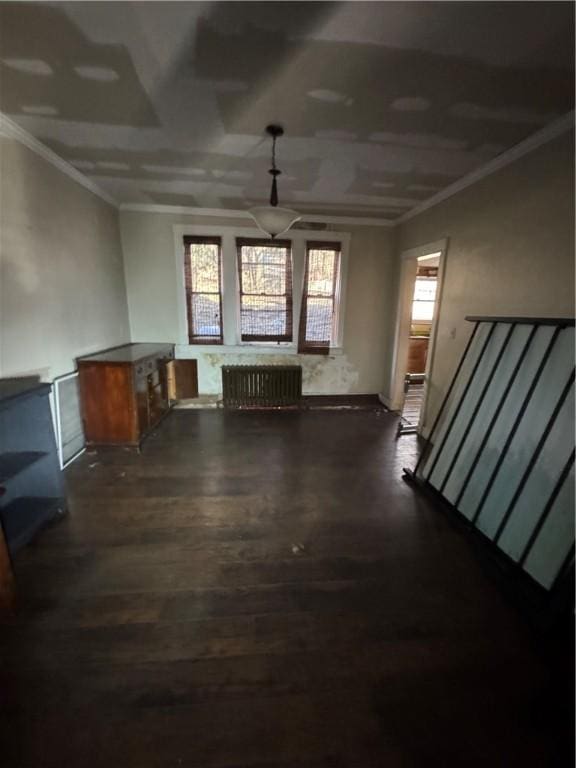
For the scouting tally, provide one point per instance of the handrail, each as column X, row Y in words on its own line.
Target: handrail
column 563, row 322
column 507, row 421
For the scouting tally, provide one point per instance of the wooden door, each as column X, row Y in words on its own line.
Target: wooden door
column 182, row 379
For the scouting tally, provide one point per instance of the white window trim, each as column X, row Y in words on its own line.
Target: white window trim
column 402, row 330
column 230, row 287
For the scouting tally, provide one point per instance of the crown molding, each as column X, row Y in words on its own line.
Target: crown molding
column 12, row 130
column 546, row 134
column 224, row 213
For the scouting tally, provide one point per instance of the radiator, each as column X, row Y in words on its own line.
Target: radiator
column 261, row 385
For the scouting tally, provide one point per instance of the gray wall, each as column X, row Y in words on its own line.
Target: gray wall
column 62, row 289
column 510, row 250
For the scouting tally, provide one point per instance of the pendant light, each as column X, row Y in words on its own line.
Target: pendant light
column 272, row 219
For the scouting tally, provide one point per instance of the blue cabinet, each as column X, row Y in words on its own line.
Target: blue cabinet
column 31, row 482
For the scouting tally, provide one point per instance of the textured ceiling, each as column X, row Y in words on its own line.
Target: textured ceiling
column 383, row 103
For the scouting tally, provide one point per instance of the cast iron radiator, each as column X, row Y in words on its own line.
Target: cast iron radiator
column 261, row 385
column 501, row 451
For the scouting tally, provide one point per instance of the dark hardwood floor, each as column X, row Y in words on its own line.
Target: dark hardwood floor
column 262, row 589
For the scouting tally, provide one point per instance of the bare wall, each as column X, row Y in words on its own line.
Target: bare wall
column 361, row 366
column 62, row 288
column 510, row 250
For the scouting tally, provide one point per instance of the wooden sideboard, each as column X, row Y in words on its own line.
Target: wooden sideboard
column 126, row 391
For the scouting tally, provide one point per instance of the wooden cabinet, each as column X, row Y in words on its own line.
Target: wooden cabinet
column 417, row 353
column 125, row 391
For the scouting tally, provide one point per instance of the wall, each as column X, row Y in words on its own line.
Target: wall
column 152, row 275
column 510, row 250
column 62, row 289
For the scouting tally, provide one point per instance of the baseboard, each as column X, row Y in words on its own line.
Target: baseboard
column 342, row 401
column 385, row 400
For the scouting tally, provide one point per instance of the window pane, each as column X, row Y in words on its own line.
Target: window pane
column 424, row 298
column 425, row 289
column 206, row 314
column 321, row 265
column 266, row 291
column 202, row 277
column 423, row 311
column 319, row 319
column 319, row 302
column 269, row 279
column 263, row 316
column 205, row 263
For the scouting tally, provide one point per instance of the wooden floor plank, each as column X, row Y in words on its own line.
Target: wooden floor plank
column 261, row 590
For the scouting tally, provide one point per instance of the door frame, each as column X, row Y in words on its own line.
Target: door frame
column 407, row 279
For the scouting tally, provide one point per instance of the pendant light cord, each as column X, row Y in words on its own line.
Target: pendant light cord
column 273, row 153
column 274, row 172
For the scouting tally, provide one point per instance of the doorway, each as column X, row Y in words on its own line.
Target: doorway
column 418, row 308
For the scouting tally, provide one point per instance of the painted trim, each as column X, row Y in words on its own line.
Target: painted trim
column 548, row 133
column 397, row 375
column 230, row 303
column 222, row 213
column 12, row 130
column 252, row 348
column 59, row 446
column 385, row 400
column 423, row 250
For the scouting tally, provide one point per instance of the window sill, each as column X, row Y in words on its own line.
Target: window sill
column 250, row 348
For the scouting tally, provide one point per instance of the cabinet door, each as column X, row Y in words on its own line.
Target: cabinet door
column 141, row 381
column 182, row 379
column 7, row 588
column 157, row 397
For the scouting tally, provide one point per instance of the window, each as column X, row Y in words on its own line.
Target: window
column 319, row 314
column 265, row 277
column 424, row 298
column 202, row 275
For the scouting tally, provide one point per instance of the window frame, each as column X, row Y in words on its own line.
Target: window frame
column 425, row 274
column 189, row 240
column 288, row 337
column 229, row 232
column 315, row 348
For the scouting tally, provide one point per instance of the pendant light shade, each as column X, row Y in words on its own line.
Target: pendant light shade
column 272, row 219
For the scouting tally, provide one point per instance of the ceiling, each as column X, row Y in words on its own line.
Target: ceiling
column 384, row 104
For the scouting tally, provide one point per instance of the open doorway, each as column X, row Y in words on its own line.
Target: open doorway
column 420, row 290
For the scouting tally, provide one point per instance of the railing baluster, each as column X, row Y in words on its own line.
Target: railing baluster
column 547, row 509
column 516, row 424
column 477, row 408
column 496, row 415
column 534, row 458
column 568, row 560
column 424, row 453
column 505, row 394
column 462, row 399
